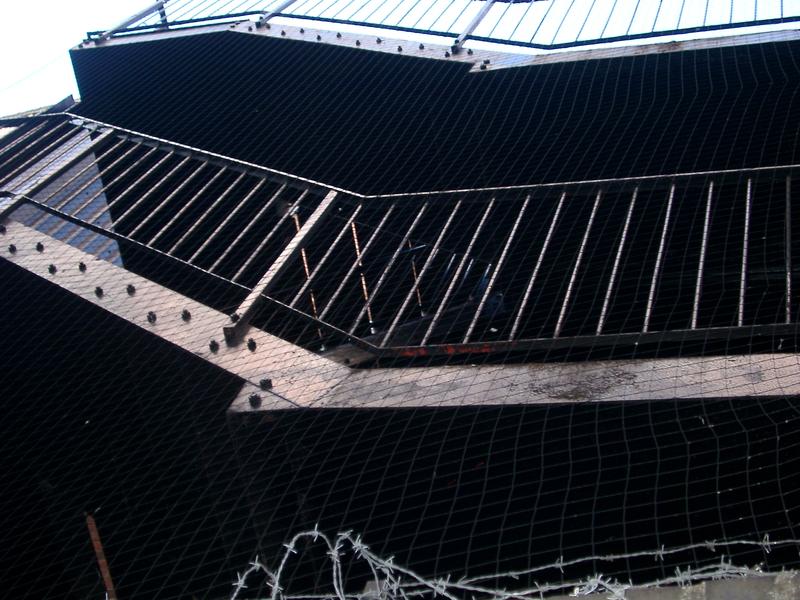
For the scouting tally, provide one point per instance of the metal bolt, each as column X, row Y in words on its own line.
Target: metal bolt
column 249, row 29
column 469, row 51
column 130, row 289
column 2, row 229
column 399, row 48
column 447, row 55
column 358, row 42
column 302, row 30
column 151, row 317
column 52, row 269
column 235, row 317
column 255, row 400
column 422, row 46
column 39, row 247
column 339, row 35
column 379, row 40
column 251, row 345
column 483, row 67
column 12, row 248
column 82, row 267
column 486, row 61
column 213, row 345
column 98, row 291
column 319, row 37
column 185, row 314
column 283, row 32
column 266, row 384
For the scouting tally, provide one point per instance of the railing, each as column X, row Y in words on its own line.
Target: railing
column 542, row 24
column 670, row 258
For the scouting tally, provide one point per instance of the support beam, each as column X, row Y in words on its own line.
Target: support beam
column 244, row 313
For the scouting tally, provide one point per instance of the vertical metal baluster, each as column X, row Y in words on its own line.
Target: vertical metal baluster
column 247, row 227
column 534, row 275
column 490, row 286
column 166, row 202
column 188, row 204
column 428, row 262
column 261, row 183
column 745, row 251
column 454, row 280
column 385, row 274
column 659, row 257
column 565, row 305
column 615, row 269
column 288, row 214
column 354, row 266
column 325, row 257
column 701, row 263
column 225, row 193
column 362, row 278
column 788, row 248
column 151, row 191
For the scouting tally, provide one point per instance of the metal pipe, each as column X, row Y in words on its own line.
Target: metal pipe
column 487, row 292
column 454, row 280
column 745, row 252
column 269, row 236
column 539, row 260
column 151, row 191
column 100, row 556
column 355, row 264
column 261, row 183
column 274, row 13
column 701, row 263
column 32, row 161
column 464, row 36
column 428, row 261
column 563, row 314
column 187, row 205
column 368, row 304
column 613, row 278
column 158, row 7
column 326, row 256
column 648, row 311
column 267, row 205
column 226, row 192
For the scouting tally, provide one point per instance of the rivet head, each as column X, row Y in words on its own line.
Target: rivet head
column 82, row 267
column 39, row 247
column 249, row 29
column 339, row 35
column 251, row 345
column 447, row 55
column 469, row 51
column 399, row 48
column 254, row 399
column 302, row 30
column 12, row 248
column 422, row 46
column 213, row 345
column 98, row 291
column 283, row 32
column 235, row 317
column 2, row 229
column 266, row 384
column 185, row 314
column 483, row 67
column 486, row 61
column 319, row 37
column 52, row 269
column 379, row 40
column 151, row 317
column 130, row 289
column 358, row 42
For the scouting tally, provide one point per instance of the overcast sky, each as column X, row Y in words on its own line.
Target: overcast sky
column 35, row 38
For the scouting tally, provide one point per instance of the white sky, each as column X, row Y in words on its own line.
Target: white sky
column 35, row 38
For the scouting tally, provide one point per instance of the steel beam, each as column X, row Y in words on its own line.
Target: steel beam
column 245, row 311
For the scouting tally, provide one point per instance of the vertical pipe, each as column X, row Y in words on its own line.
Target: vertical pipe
column 615, row 269
column 539, row 260
column 788, row 248
column 490, row 286
column 745, row 251
column 454, row 280
column 570, row 286
column 100, row 555
column 648, row 311
column 701, row 263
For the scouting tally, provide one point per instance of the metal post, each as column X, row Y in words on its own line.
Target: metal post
column 158, row 7
column 274, row 13
column 459, row 43
column 563, row 314
column 247, row 308
column 100, row 555
column 523, row 305
column 745, row 252
column 659, row 257
column 615, row 269
column 788, row 248
column 701, row 263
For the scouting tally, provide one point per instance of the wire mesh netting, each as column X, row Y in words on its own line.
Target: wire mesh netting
column 291, row 320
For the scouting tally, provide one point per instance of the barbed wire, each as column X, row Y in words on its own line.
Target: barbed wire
column 396, row 582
